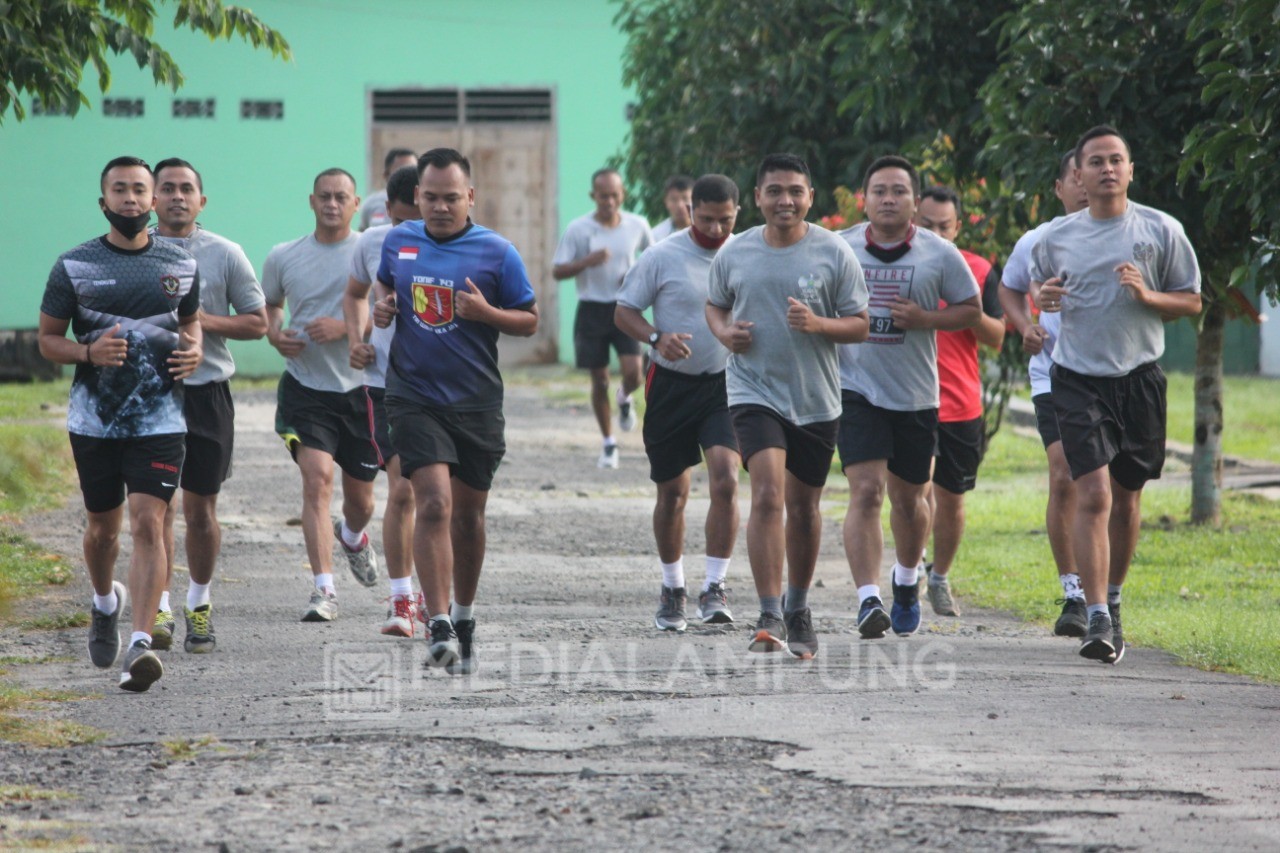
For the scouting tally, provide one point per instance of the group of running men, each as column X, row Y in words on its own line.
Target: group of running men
column 769, row 349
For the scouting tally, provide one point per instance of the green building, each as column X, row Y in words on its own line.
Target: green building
column 530, row 91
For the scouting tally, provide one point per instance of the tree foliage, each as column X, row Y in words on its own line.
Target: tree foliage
column 45, row 45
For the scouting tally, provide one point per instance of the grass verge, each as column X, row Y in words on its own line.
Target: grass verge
column 1208, row 596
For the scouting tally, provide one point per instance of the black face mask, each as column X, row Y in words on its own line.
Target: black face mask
column 128, row 226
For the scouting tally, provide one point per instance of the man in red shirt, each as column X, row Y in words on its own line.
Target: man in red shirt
column 961, row 432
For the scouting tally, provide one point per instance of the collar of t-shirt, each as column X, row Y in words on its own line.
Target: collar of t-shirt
column 119, row 250
column 454, row 236
column 889, row 254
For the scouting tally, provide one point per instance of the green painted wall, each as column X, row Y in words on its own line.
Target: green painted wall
column 258, row 173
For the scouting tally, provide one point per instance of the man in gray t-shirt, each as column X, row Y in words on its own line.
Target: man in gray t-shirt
column 597, row 250
column 227, row 281
column 687, row 412
column 889, row 425
column 322, row 411
column 780, row 298
column 1115, row 272
column 373, row 211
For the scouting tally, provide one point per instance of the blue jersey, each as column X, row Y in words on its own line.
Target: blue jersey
column 437, row 357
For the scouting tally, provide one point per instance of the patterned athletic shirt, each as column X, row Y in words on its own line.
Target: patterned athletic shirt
column 97, row 285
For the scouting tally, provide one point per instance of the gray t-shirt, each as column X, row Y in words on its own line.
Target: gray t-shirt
column 663, row 230
column 793, row 373
column 625, row 242
column 1017, row 276
column 311, row 278
column 672, row 278
column 364, row 269
column 897, row 369
column 373, row 211
column 1104, row 331
column 227, row 281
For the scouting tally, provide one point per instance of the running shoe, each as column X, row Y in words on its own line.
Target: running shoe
column 939, row 592
column 162, row 631
column 1117, row 632
column 802, row 641
column 362, row 561
column 104, row 632
column 466, row 662
column 608, row 457
column 142, row 668
column 873, row 619
column 323, row 607
column 770, row 635
column 1074, row 619
column 1099, row 642
column 200, row 639
column 402, row 612
column 905, row 612
column 670, row 615
column 444, row 649
column 713, row 606
column 626, row 411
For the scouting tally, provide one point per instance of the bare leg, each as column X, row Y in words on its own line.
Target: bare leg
column 468, row 535
column 432, row 540
column 804, row 531
column 766, row 539
column 1122, row 530
column 600, row 400
column 204, row 535
column 1061, row 510
column 317, row 493
column 397, row 523
column 948, row 528
column 908, row 519
column 863, row 536
column 668, row 517
column 357, row 502
column 147, row 566
column 632, row 375
column 102, row 547
column 722, row 516
column 1089, row 533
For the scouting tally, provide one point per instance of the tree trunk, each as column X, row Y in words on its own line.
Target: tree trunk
column 1206, row 457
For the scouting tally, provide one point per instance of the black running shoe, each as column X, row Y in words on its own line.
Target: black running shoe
column 1074, row 620
column 142, row 668
column 444, row 649
column 802, row 641
column 1117, row 633
column 466, row 662
column 1099, row 641
column 670, row 615
column 104, row 630
column 873, row 619
column 770, row 635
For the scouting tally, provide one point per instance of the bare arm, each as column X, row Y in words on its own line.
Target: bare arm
column 1015, row 307
column 355, row 310
column 284, row 340
column 670, row 345
column 735, row 335
column 249, row 326
column 852, row 329
column 571, row 268
column 952, row 318
column 190, row 351
column 990, row 331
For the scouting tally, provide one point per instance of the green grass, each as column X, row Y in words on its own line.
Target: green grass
column 1251, row 417
column 1209, row 596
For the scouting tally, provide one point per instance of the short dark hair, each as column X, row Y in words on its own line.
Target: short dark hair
column 443, row 158
column 607, row 170
column 1068, row 160
column 678, row 182
column 118, row 162
column 393, row 155
column 714, row 189
column 892, row 161
column 329, row 173
column 1095, row 133
column 943, row 194
column 177, row 163
column 782, row 163
column 401, row 183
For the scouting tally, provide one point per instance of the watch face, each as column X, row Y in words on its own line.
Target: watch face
column 653, row 337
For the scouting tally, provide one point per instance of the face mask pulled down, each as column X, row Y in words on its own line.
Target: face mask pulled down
column 128, row 226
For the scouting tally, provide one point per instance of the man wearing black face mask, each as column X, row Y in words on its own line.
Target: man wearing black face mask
column 133, row 306
column 687, row 414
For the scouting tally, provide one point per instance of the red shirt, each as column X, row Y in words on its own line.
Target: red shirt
column 959, row 386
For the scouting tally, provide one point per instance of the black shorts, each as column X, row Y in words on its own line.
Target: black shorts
column 472, row 444
column 809, row 447
column 908, row 440
column 1114, row 421
column 336, row 422
column 149, row 464
column 594, row 332
column 961, row 445
column 1046, row 419
column 683, row 416
column 381, row 429
column 211, row 432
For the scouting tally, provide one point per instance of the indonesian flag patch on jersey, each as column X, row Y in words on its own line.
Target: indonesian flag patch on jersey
column 408, row 253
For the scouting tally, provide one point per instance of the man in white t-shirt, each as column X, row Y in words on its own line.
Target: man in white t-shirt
column 598, row 249
column 677, row 197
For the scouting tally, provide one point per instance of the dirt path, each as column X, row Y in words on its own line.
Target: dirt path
column 586, row 728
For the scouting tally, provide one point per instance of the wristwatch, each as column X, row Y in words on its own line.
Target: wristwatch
column 653, row 337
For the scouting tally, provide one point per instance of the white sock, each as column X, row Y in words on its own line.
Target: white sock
column 352, row 539
column 1071, row 585
column 106, row 603
column 620, row 397
column 1113, row 593
column 903, row 576
column 444, row 616
column 460, row 612
column 164, row 601
column 197, row 595
column 869, row 591
column 324, row 582
column 402, row 586
column 1094, row 609
column 673, row 574
column 609, row 441
column 139, row 635
column 717, row 568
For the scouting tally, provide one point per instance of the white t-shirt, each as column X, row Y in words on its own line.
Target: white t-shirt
column 1017, row 276
column 625, row 242
column 663, row 230
column 364, row 269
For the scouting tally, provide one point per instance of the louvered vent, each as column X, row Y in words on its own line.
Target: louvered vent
column 416, row 105
column 508, row 105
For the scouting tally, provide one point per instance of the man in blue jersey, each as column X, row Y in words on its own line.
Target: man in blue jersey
column 456, row 285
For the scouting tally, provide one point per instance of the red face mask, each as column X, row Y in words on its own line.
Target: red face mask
column 704, row 241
